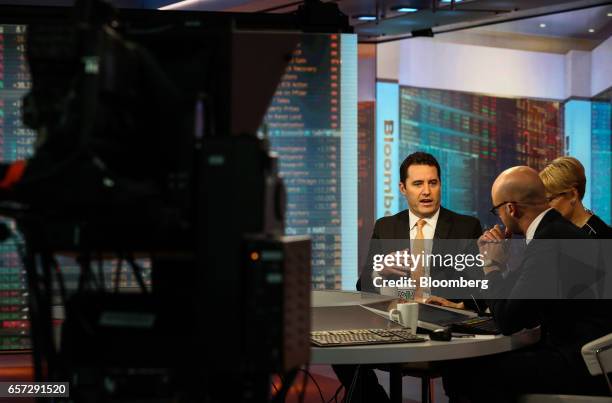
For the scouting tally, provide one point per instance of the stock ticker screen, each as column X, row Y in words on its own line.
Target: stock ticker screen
column 474, row 137
column 312, row 125
column 15, row 143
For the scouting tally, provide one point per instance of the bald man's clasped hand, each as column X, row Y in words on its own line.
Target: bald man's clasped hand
column 494, row 245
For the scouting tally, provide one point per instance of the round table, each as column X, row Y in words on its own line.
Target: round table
column 409, row 352
column 406, row 353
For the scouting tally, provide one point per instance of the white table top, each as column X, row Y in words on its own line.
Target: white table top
column 345, row 298
column 409, row 352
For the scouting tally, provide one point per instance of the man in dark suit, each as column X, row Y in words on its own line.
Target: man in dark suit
column 529, row 296
column 392, row 230
column 421, row 185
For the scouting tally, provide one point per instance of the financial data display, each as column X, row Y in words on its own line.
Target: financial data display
column 306, row 122
column 601, row 160
column 474, row 137
column 587, row 137
column 15, row 143
column 308, row 97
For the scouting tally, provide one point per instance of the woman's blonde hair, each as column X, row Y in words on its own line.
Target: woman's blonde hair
column 562, row 174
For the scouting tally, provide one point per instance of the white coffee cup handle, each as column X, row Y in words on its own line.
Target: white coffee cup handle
column 395, row 315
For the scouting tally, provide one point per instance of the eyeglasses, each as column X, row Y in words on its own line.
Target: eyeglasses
column 495, row 212
column 553, row 197
column 494, row 209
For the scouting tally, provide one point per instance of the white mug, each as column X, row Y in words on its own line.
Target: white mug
column 407, row 315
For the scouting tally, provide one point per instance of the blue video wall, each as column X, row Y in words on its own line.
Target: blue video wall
column 601, row 160
column 587, row 137
column 474, row 137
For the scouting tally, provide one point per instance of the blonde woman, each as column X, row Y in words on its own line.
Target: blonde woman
column 565, row 183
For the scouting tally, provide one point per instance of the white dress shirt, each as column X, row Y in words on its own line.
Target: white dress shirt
column 534, row 226
column 429, row 229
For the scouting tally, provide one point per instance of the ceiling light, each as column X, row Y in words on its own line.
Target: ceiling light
column 591, row 30
column 179, row 5
column 402, row 9
column 365, row 17
column 609, row 14
column 448, row 1
column 542, row 25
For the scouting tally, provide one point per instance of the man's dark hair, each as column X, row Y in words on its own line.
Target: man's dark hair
column 418, row 158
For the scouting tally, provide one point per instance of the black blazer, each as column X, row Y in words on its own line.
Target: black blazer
column 567, row 324
column 596, row 228
column 450, row 225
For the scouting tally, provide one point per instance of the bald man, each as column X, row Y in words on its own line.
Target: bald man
column 527, row 297
column 519, row 198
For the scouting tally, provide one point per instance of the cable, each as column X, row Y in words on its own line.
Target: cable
column 304, row 384
column 287, row 382
column 349, row 393
column 50, row 353
column 274, row 386
column 35, row 314
column 118, row 270
column 86, row 276
column 60, row 280
column 307, row 372
column 335, row 396
column 102, row 285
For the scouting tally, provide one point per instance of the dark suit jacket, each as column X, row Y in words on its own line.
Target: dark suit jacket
column 567, row 324
column 596, row 228
column 450, row 225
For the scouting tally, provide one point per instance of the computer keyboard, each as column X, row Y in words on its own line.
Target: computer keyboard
column 478, row 325
column 356, row 337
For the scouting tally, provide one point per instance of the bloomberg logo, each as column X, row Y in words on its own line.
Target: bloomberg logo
column 387, row 148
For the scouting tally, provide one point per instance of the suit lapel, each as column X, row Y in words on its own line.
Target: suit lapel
column 443, row 227
column 548, row 218
column 402, row 226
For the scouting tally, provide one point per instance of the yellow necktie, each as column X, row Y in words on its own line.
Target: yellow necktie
column 418, row 247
